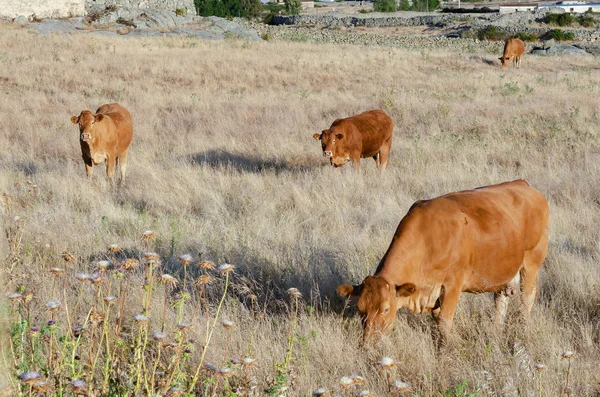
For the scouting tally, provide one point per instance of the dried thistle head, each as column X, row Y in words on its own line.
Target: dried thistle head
column 103, row 266
column 202, row 280
column 226, row 372
column 159, row 336
column 40, row 386
column 148, row 234
column 226, row 268
column 252, row 297
column 68, row 257
column 77, row 330
column 79, row 386
column 167, row 279
column 30, row 377
column 34, row 331
column 358, row 380
column 140, row 318
column 387, row 363
column 364, row 393
column 227, row 324
column 96, row 317
column 113, row 248
column 174, row 392
column 15, row 297
column 184, row 326
column 248, row 362
column 568, row 355
column 57, row 271
column 292, row 291
column 97, row 278
column 321, row 392
column 346, row 381
column 53, row 305
column 82, row 277
column 540, row 367
column 186, row 259
column 151, row 256
column 27, row 298
column 401, row 387
column 206, row 265
column 110, row 299
column 130, row 264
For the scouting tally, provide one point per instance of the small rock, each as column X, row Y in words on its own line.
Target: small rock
column 124, row 31
column 21, row 20
column 548, row 43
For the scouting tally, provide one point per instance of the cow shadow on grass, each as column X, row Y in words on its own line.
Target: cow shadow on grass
column 252, row 163
column 484, row 60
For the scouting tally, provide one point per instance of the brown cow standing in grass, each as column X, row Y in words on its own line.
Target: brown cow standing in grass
column 513, row 48
column 105, row 136
column 368, row 134
column 485, row 240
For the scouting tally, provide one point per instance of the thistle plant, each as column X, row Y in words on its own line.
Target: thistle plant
column 225, row 270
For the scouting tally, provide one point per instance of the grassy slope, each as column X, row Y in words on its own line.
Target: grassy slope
column 223, row 164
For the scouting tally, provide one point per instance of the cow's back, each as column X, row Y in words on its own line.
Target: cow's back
column 514, row 47
column 123, row 125
column 483, row 232
column 374, row 127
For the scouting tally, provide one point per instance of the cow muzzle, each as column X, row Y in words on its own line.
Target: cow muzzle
column 328, row 153
column 85, row 136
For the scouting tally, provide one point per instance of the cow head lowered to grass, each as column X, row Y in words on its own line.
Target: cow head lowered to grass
column 368, row 134
column 488, row 239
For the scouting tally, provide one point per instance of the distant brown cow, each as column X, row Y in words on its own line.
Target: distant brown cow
column 105, row 135
column 485, row 240
column 368, row 134
column 513, row 48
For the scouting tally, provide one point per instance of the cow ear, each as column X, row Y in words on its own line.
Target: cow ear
column 349, row 291
column 317, row 137
column 500, row 59
column 99, row 117
column 75, row 119
column 405, row 289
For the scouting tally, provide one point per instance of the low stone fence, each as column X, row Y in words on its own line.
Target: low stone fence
column 170, row 5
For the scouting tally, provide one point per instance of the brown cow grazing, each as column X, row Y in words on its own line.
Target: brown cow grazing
column 368, row 134
column 105, row 135
column 482, row 240
column 513, row 48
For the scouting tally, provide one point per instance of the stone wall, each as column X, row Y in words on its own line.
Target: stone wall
column 169, row 5
column 42, row 8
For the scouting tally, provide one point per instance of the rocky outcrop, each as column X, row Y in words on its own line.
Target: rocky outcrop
column 170, row 5
column 41, row 9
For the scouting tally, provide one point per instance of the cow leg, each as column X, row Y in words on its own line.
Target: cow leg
column 445, row 317
column 377, row 161
column 501, row 301
column 88, row 167
column 532, row 262
column 122, row 166
column 384, row 154
column 356, row 163
column 110, row 168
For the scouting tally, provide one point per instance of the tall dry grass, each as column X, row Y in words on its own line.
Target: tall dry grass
column 223, row 166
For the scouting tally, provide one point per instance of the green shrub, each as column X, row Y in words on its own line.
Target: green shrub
column 228, row 8
column 384, row 5
column 560, row 35
column 527, row 36
column 425, row 5
column 490, row 33
column 292, row 7
column 404, row 5
column 180, row 11
column 587, row 21
column 564, row 19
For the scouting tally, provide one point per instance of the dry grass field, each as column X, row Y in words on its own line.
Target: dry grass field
column 223, row 167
